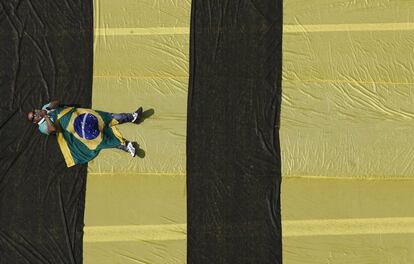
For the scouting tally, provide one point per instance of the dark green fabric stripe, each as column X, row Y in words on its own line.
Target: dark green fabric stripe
column 46, row 53
column 233, row 153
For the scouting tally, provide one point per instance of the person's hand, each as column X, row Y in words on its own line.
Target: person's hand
column 41, row 113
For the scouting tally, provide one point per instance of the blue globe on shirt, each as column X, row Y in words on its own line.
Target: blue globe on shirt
column 87, row 126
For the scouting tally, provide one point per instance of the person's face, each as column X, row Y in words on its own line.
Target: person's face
column 35, row 116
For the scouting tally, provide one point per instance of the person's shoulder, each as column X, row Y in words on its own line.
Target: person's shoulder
column 46, row 106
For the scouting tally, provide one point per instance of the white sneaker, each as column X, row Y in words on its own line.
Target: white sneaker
column 131, row 149
column 137, row 115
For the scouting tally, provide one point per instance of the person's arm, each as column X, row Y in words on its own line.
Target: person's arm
column 50, row 127
column 53, row 104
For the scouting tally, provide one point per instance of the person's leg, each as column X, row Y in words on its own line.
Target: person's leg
column 122, row 117
column 128, row 117
column 132, row 148
column 128, row 147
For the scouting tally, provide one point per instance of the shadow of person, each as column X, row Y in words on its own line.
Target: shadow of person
column 146, row 114
column 139, row 151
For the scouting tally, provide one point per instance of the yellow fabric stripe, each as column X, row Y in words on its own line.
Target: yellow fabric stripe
column 138, row 173
column 291, row 228
column 287, row 177
column 348, row 27
column 350, row 178
column 135, row 233
column 142, row 31
column 62, row 142
column 141, row 77
column 361, row 226
column 286, row 29
column 356, row 82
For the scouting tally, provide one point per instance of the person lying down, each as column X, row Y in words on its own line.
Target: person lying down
column 82, row 133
